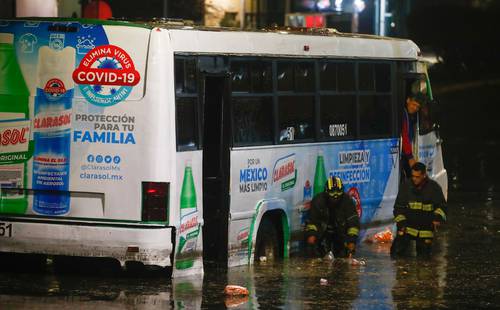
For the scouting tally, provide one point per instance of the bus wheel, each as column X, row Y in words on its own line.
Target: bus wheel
column 267, row 247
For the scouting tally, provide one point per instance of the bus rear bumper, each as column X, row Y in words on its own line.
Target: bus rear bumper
column 148, row 244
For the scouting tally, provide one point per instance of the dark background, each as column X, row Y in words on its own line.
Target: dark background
column 463, row 35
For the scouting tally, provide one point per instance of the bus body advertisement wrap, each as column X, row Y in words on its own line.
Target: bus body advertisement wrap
column 87, row 136
column 85, row 122
column 365, row 168
column 174, row 145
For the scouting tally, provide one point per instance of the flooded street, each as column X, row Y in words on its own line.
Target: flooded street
column 463, row 273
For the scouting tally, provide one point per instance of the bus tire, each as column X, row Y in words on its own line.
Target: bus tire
column 267, row 244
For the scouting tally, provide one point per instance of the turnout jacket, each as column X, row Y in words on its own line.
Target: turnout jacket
column 416, row 209
column 328, row 216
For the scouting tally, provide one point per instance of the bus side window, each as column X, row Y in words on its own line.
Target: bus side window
column 252, row 101
column 375, row 115
column 382, row 78
column 366, row 77
column 347, row 82
column 186, row 103
column 375, row 119
column 185, row 75
column 296, row 112
column 337, row 117
column 296, row 100
column 186, row 122
column 427, row 111
column 337, row 106
column 252, row 119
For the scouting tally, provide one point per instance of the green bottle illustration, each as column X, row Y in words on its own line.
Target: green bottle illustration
column 14, row 129
column 189, row 228
column 319, row 175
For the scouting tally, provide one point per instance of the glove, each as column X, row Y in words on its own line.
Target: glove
column 311, row 240
column 350, row 247
column 401, row 226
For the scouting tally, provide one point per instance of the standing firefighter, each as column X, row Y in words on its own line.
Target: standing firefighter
column 333, row 223
column 419, row 210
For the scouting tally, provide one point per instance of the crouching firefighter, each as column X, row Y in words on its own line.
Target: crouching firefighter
column 333, row 223
column 419, row 210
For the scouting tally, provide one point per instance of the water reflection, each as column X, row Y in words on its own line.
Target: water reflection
column 463, row 273
column 420, row 283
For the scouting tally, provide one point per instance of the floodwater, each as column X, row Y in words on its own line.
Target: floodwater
column 464, row 273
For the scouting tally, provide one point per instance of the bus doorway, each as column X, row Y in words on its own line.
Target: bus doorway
column 216, row 142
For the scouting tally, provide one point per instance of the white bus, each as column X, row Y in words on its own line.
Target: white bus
column 171, row 145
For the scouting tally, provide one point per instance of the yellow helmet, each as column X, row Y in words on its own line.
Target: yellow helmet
column 334, row 187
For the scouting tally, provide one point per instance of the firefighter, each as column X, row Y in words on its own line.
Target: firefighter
column 419, row 210
column 333, row 224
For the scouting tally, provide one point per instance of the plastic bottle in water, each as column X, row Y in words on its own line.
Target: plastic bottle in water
column 14, row 129
column 52, row 130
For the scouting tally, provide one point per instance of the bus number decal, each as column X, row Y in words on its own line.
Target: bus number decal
column 5, row 229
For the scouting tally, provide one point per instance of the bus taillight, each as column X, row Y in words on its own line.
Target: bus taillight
column 155, row 201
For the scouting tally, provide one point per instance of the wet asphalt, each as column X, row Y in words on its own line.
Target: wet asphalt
column 463, row 273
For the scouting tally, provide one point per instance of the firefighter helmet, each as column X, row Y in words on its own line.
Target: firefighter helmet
column 334, row 187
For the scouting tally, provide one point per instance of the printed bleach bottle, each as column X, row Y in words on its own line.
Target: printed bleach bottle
column 52, row 130
column 14, row 129
column 190, row 228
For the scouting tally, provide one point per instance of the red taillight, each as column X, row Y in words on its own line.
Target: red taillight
column 155, row 201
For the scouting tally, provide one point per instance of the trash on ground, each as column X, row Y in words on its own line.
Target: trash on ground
column 329, row 256
column 381, row 237
column 235, row 290
column 356, row 262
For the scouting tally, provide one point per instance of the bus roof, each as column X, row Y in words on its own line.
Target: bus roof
column 285, row 41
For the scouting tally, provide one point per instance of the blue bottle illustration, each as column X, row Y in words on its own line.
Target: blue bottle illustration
column 52, row 130
column 304, row 213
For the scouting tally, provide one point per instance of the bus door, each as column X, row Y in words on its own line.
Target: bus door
column 216, row 143
column 427, row 145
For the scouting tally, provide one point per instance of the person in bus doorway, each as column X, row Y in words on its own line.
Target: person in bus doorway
column 419, row 210
column 333, row 223
column 408, row 130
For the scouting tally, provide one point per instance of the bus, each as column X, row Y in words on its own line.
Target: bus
column 172, row 145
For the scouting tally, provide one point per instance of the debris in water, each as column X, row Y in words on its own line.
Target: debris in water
column 235, row 290
column 355, row 262
column 329, row 256
column 323, row 281
column 235, row 301
column 263, row 259
column 381, row 237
